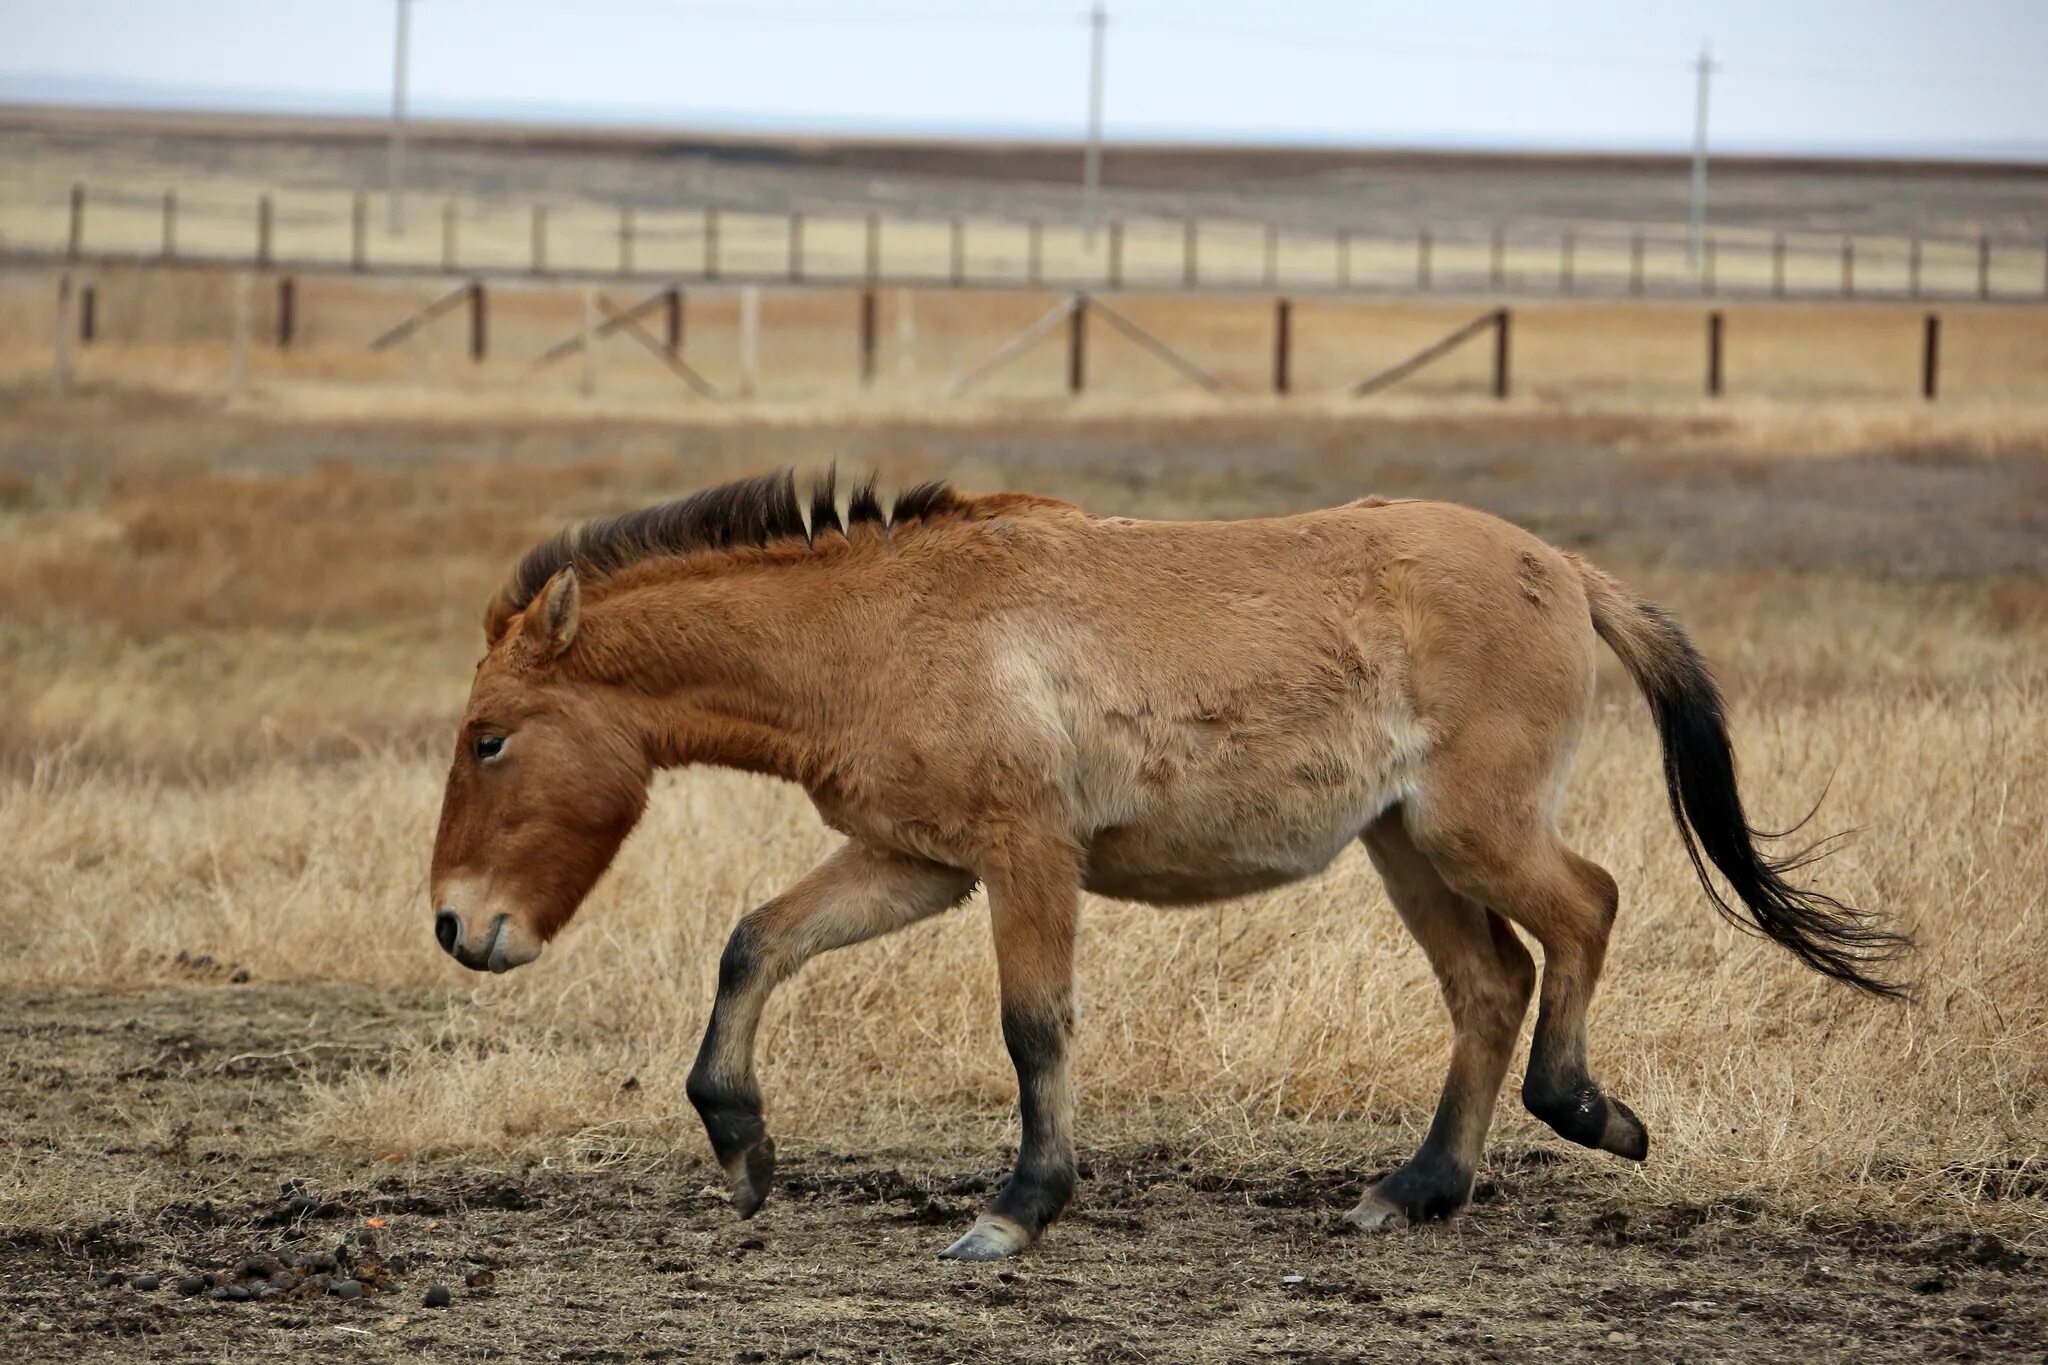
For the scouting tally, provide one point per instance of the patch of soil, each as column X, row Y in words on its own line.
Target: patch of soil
column 1161, row 1258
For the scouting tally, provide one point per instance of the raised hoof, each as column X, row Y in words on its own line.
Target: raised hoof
column 747, row 1177
column 1624, row 1134
column 990, row 1239
column 1584, row 1114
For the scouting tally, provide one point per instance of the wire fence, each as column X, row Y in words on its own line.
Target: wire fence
column 339, row 230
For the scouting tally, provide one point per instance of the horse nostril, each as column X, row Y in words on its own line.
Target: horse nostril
column 447, row 930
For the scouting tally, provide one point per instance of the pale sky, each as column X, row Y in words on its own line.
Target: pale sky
column 1888, row 75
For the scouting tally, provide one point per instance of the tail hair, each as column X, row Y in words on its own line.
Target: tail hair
column 1835, row 939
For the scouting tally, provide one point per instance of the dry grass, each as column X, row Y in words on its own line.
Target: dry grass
column 228, row 660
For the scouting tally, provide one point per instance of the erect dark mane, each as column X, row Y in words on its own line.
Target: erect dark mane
column 746, row 513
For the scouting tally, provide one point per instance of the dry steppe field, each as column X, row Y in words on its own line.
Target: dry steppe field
column 234, row 637
column 238, row 621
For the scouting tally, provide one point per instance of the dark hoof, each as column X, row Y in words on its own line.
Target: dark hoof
column 1584, row 1114
column 1420, row 1192
column 747, row 1177
column 1429, row 1189
column 1624, row 1134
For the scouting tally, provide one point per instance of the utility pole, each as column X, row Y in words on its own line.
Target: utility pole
column 394, row 170
column 1091, row 164
column 1694, row 240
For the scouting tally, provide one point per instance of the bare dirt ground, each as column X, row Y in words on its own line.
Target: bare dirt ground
column 1167, row 1255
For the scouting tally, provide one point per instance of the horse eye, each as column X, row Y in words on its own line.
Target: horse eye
column 489, row 747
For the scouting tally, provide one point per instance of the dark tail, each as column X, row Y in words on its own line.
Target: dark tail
column 1834, row 939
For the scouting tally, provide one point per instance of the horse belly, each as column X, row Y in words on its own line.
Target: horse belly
column 1203, row 842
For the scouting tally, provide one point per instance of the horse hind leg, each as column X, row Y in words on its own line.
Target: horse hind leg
column 1567, row 904
column 1487, row 977
column 1559, row 1087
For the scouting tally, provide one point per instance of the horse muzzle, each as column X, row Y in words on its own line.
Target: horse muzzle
column 499, row 948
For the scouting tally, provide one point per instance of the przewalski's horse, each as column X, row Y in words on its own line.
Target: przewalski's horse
column 1007, row 690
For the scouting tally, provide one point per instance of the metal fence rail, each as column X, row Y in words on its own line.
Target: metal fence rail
column 316, row 231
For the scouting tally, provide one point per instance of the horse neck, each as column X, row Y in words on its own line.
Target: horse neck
column 726, row 669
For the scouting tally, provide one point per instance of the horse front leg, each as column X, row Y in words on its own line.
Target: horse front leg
column 856, row 894
column 1033, row 906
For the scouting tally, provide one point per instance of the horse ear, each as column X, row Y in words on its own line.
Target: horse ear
column 498, row 617
column 552, row 618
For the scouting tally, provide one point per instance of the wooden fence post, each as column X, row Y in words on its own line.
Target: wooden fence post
column 750, row 340
column 88, row 313
column 265, row 216
column 1077, row 345
column 867, row 337
column 60, row 339
column 796, row 247
column 1983, row 266
column 956, row 252
column 74, row 237
column 710, row 244
column 287, row 312
column 359, row 232
column 1422, row 259
column 1190, row 269
column 1116, row 253
column 1778, row 265
column 1930, row 357
column 1283, row 346
column 478, row 335
column 1500, row 354
column 1714, row 354
column 539, row 263
column 672, row 320
column 170, row 241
